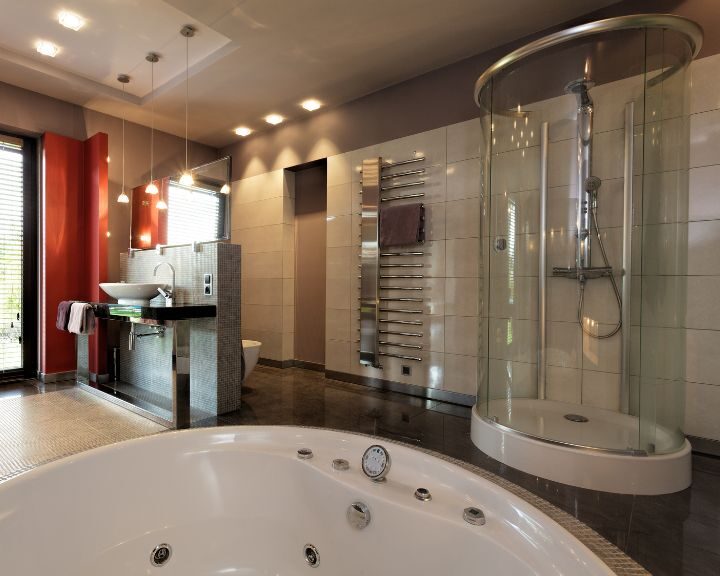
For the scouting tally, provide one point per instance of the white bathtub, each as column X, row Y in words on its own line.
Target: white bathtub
column 238, row 501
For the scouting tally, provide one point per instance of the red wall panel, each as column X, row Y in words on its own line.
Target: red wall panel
column 95, row 213
column 64, row 272
column 75, row 224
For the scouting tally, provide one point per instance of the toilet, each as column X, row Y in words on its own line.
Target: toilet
column 251, row 349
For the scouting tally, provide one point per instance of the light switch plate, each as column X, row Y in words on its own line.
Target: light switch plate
column 208, row 284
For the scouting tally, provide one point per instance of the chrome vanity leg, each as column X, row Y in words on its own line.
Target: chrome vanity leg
column 181, row 375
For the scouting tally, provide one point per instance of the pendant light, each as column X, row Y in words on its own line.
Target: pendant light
column 188, row 32
column 123, row 198
column 152, row 57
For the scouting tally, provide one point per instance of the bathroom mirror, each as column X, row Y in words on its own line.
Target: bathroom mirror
column 196, row 213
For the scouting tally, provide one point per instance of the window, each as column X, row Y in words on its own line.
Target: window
column 194, row 215
column 11, row 253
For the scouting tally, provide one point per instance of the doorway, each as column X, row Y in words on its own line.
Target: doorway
column 310, row 243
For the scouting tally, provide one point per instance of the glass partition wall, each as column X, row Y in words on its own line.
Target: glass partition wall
column 584, row 239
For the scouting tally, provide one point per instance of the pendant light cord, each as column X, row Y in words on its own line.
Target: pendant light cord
column 187, row 95
column 152, row 121
column 122, row 190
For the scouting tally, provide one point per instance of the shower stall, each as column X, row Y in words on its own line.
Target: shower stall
column 584, row 248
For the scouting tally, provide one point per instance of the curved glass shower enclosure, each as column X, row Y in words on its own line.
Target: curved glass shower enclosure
column 584, row 236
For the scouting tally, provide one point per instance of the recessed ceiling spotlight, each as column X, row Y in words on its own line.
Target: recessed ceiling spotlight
column 71, row 20
column 243, row 131
column 274, row 119
column 47, row 48
column 311, row 105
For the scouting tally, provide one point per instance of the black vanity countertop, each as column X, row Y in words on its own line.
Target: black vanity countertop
column 157, row 313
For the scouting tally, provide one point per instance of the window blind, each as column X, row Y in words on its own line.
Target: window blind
column 193, row 215
column 11, row 253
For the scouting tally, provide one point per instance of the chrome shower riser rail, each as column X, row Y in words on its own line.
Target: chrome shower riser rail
column 542, row 263
column 627, row 258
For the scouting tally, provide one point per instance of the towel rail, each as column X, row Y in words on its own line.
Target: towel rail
column 401, row 276
column 394, row 333
column 401, row 356
column 388, row 165
column 373, row 175
column 385, row 299
column 403, row 197
column 403, row 185
column 400, row 345
column 405, row 173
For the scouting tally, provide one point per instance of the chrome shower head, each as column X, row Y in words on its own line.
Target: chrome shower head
column 592, row 184
column 581, row 89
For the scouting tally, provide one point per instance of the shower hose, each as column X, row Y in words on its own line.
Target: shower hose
column 581, row 300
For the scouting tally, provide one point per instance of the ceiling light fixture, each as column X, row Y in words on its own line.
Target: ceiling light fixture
column 71, row 20
column 243, row 131
column 153, row 58
column 188, row 32
column 47, row 48
column 311, row 105
column 274, row 119
column 123, row 198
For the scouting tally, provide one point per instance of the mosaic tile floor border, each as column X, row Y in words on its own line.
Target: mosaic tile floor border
column 38, row 429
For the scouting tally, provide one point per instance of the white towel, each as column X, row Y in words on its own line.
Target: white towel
column 82, row 319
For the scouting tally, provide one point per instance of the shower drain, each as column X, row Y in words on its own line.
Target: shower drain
column 575, row 418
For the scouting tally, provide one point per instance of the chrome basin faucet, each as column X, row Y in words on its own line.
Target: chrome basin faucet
column 168, row 294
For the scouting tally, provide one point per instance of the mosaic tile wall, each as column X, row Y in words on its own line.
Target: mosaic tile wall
column 214, row 343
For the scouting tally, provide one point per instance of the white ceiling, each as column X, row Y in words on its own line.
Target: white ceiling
column 252, row 57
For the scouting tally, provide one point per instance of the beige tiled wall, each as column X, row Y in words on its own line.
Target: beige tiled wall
column 702, row 320
column 450, row 264
column 580, row 369
column 262, row 222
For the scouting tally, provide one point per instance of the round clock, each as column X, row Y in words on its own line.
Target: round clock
column 376, row 463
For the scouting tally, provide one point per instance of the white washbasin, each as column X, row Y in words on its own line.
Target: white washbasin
column 131, row 293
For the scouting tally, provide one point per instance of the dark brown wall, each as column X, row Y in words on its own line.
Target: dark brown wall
column 439, row 98
column 310, row 225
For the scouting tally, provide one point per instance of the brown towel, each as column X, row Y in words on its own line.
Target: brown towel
column 63, row 315
column 402, row 225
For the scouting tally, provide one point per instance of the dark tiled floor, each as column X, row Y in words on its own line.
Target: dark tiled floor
column 678, row 534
